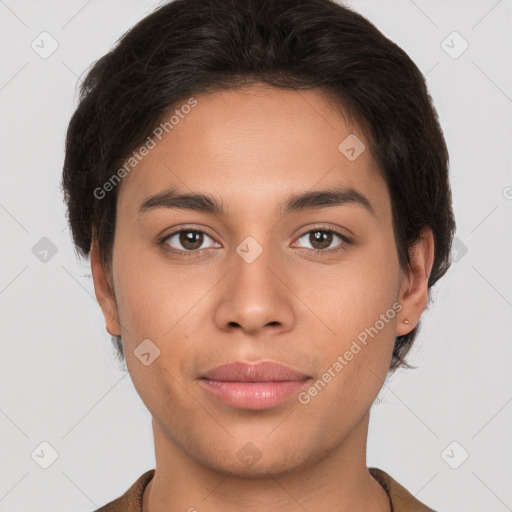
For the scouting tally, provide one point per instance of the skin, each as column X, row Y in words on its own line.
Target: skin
column 252, row 148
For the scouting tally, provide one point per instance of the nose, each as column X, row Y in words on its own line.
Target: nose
column 256, row 297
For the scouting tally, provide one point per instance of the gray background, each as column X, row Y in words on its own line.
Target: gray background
column 59, row 379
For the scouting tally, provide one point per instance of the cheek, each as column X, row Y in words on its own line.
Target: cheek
column 169, row 305
column 160, row 304
column 352, row 295
column 152, row 295
column 357, row 305
column 354, row 361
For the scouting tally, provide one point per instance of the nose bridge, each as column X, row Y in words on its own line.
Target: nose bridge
column 253, row 261
column 255, row 296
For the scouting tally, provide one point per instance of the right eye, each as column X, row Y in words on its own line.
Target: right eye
column 185, row 242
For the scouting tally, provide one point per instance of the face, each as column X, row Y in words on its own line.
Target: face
column 312, row 284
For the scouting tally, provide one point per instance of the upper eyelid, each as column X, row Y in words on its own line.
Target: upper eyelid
column 196, row 230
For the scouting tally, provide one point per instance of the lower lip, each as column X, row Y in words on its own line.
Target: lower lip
column 253, row 395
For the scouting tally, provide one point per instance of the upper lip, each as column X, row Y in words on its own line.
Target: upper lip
column 263, row 371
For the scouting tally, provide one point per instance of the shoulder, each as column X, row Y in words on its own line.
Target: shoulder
column 131, row 500
column 401, row 499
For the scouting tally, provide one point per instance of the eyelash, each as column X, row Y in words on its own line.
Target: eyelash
column 189, row 254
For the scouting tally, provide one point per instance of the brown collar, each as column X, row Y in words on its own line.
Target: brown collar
column 401, row 499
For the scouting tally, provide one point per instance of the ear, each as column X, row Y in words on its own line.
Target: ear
column 414, row 288
column 104, row 289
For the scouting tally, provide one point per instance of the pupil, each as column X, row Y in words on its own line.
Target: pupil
column 187, row 240
column 323, row 237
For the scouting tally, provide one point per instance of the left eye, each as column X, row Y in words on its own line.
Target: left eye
column 321, row 239
column 189, row 240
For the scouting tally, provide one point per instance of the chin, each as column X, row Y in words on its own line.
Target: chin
column 250, row 462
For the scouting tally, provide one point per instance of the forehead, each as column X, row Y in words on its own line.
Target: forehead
column 253, row 146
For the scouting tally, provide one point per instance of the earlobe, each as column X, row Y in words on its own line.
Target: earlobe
column 414, row 289
column 103, row 290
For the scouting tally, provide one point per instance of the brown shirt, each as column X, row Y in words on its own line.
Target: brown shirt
column 401, row 499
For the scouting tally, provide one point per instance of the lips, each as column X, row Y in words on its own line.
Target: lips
column 253, row 386
column 265, row 371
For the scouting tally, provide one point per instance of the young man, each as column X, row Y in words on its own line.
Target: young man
column 262, row 188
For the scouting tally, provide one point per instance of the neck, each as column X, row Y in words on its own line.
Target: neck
column 333, row 481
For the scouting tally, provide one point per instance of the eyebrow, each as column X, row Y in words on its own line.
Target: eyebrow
column 310, row 200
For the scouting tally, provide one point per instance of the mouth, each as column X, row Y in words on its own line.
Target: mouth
column 253, row 386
